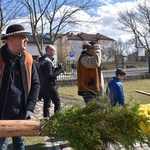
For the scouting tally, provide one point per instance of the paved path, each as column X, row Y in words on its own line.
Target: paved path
column 60, row 144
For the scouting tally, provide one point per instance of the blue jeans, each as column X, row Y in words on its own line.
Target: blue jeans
column 18, row 143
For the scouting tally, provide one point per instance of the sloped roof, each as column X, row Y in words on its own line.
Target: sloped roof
column 93, row 37
column 31, row 39
column 72, row 36
column 87, row 37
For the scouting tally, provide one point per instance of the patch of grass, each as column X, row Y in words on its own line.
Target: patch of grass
column 131, row 86
column 69, row 92
column 31, row 143
column 129, row 90
column 35, row 143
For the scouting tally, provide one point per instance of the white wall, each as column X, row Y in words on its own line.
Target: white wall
column 32, row 49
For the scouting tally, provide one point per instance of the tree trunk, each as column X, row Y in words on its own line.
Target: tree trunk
column 15, row 128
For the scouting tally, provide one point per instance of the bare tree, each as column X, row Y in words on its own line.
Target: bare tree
column 65, row 14
column 49, row 14
column 60, row 15
column 9, row 10
column 36, row 10
column 121, row 51
column 137, row 21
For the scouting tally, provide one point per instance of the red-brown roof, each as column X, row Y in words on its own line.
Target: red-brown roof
column 93, row 37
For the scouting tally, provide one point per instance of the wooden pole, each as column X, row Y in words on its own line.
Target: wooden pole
column 142, row 92
column 15, row 128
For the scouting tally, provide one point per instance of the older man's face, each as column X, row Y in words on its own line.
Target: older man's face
column 18, row 43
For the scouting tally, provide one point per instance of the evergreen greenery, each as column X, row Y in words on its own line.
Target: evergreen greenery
column 97, row 125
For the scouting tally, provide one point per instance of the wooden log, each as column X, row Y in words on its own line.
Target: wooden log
column 142, row 92
column 15, row 128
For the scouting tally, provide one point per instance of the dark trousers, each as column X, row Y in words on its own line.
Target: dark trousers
column 53, row 96
column 18, row 143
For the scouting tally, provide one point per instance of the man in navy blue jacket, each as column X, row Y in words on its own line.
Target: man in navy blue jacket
column 48, row 76
column 115, row 88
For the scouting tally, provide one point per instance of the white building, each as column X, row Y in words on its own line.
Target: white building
column 72, row 43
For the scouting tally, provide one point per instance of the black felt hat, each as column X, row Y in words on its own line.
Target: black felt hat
column 15, row 29
column 92, row 42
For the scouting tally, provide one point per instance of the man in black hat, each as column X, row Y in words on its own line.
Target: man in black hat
column 19, row 82
column 90, row 78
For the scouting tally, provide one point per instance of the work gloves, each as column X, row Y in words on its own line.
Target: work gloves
column 28, row 114
column 61, row 67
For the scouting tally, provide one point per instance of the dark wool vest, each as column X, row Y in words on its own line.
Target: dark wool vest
column 88, row 79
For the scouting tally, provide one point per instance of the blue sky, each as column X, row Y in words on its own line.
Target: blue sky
column 120, row 1
column 108, row 15
column 108, row 24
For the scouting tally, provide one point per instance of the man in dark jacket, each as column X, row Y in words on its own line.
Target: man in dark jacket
column 19, row 82
column 48, row 77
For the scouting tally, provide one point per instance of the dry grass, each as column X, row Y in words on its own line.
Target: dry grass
column 129, row 90
column 131, row 86
column 69, row 92
column 31, row 143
